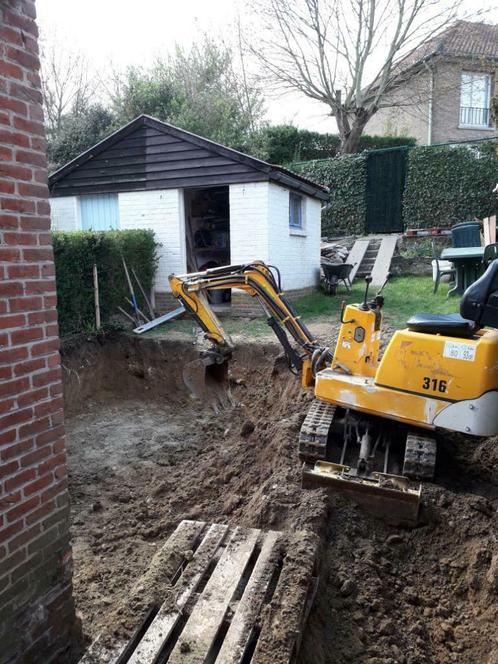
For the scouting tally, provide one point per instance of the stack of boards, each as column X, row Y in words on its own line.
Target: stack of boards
column 229, row 596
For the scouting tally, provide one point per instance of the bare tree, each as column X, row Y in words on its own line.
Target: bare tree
column 346, row 53
column 68, row 84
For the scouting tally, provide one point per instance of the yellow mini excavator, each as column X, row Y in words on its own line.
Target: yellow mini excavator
column 373, row 425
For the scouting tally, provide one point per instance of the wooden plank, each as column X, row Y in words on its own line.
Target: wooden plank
column 283, row 619
column 356, row 255
column 96, row 186
column 172, row 552
column 163, row 169
column 208, row 614
column 251, row 603
column 99, row 653
column 171, row 555
column 383, row 261
column 166, row 619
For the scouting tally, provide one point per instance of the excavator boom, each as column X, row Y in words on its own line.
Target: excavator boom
column 259, row 281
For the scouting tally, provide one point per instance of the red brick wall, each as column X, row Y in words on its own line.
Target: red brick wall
column 36, row 610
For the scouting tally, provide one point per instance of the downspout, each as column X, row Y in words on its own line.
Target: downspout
column 431, row 94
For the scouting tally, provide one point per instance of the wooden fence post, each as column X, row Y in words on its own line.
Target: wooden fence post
column 96, row 296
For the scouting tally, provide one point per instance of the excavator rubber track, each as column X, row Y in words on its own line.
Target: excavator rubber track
column 420, row 457
column 314, row 433
column 388, row 495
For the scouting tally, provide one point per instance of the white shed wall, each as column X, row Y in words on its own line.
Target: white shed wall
column 249, row 233
column 259, row 229
column 162, row 212
column 296, row 252
column 64, row 213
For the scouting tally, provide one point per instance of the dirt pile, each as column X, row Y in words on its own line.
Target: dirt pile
column 143, row 456
column 427, row 594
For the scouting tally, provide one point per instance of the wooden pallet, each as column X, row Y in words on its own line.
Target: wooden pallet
column 240, row 595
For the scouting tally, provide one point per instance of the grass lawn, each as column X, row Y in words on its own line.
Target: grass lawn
column 404, row 296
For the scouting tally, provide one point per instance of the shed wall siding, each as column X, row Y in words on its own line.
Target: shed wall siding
column 296, row 253
column 162, row 212
column 64, row 213
column 249, row 232
column 150, row 159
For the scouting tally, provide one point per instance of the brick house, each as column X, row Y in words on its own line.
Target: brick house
column 208, row 205
column 445, row 88
column 37, row 616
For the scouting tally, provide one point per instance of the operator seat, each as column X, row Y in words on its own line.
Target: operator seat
column 478, row 308
column 480, row 301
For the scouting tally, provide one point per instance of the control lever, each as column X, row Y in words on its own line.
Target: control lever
column 364, row 305
column 388, row 276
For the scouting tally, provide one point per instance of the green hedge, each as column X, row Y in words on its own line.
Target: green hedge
column 346, row 178
column 287, row 143
column 76, row 252
column 444, row 185
column 449, row 184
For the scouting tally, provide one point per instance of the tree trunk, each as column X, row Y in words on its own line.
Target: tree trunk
column 351, row 129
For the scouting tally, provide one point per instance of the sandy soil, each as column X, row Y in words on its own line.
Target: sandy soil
column 142, row 456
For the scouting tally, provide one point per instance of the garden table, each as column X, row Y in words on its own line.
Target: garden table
column 466, row 260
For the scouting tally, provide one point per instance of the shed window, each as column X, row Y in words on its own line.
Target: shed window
column 295, row 211
column 99, row 212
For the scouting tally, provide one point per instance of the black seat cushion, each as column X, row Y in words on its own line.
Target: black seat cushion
column 451, row 325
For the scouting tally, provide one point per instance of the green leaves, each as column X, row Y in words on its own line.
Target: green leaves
column 76, row 252
column 78, row 132
column 346, row 178
column 449, row 184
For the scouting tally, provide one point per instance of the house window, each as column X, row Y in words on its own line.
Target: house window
column 295, row 211
column 99, row 212
column 475, row 99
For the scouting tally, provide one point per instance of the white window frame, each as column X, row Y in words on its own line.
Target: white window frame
column 293, row 226
column 486, row 104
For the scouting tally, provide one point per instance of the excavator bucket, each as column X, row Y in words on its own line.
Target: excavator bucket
column 388, row 496
column 206, row 378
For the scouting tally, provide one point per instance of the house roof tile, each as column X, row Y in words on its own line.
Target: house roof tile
column 461, row 39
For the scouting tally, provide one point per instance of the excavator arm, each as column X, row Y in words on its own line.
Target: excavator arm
column 258, row 280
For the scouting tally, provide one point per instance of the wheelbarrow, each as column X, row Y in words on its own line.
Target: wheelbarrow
column 333, row 274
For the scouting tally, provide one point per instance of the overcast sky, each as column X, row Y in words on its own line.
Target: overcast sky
column 130, row 32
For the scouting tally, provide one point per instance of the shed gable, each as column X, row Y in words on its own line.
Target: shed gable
column 148, row 158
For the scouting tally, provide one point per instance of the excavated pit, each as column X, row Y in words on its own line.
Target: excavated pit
column 143, row 455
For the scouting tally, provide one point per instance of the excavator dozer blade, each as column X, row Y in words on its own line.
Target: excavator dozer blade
column 388, row 496
column 206, row 378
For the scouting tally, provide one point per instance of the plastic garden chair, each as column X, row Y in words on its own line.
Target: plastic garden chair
column 490, row 254
column 442, row 267
column 466, row 234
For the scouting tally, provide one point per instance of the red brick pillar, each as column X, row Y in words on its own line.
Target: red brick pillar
column 36, row 608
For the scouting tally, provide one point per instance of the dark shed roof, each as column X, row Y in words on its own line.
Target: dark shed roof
column 148, row 154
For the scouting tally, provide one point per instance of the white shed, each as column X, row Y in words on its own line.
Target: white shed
column 208, row 205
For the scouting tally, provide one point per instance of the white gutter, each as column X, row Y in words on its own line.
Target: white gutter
column 429, row 110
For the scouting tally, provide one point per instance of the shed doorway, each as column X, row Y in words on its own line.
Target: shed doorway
column 207, row 229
